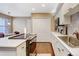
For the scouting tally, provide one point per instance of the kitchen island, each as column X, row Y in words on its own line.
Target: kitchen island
column 9, row 46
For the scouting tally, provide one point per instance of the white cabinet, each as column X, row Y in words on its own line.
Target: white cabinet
column 73, row 10
column 14, row 51
column 53, row 41
column 21, row 50
column 61, row 18
column 67, row 6
column 59, row 49
column 64, row 19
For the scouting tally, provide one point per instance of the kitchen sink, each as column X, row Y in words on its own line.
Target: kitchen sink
column 70, row 41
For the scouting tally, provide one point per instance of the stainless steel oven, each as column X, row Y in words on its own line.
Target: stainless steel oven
column 31, row 45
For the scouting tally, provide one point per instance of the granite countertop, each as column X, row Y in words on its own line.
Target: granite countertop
column 73, row 51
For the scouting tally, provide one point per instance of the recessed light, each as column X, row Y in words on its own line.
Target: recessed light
column 43, row 5
column 8, row 23
column 33, row 9
column 8, row 12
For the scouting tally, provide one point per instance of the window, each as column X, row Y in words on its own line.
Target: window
column 4, row 25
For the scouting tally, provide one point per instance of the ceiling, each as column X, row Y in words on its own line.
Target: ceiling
column 25, row 9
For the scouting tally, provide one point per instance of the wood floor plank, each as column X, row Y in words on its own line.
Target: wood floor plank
column 44, row 48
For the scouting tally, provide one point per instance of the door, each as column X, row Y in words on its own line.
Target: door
column 42, row 28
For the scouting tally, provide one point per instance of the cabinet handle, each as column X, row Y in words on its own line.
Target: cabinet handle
column 59, row 49
column 63, row 50
column 22, row 47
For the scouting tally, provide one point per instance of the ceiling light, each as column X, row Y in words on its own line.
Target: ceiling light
column 43, row 5
column 8, row 23
column 33, row 9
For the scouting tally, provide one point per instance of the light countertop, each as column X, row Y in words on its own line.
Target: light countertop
column 5, row 42
column 73, row 51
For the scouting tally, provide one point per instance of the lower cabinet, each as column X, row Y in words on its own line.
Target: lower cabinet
column 14, row 51
column 59, row 49
column 21, row 50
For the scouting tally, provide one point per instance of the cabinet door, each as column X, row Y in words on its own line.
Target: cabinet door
column 64, row 10
column 56, row 47
column 61, row 17
column 64, row 51
column 53, row 41
column 21, row 50
column 61, row 50
column 64, row 19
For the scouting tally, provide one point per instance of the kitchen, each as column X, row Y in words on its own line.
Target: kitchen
column 31, row 31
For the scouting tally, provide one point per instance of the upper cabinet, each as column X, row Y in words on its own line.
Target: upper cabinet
column 65, row 11
column 67, row 6
column 73, row 10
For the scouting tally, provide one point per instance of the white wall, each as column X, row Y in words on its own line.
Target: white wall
column 19, row 23
column 29, row 25
column 74, row 26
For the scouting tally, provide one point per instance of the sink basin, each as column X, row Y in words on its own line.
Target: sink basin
column 71, row 41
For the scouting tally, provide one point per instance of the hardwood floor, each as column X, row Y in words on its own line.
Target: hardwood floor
column 44, row 48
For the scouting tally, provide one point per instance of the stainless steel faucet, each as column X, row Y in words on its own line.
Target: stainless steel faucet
column 77, row 35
